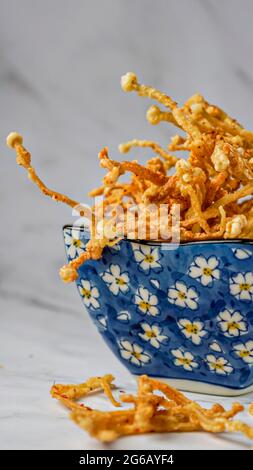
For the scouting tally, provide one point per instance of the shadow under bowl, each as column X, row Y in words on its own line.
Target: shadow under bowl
column 182, row 314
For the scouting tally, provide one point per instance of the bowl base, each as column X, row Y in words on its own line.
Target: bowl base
column 201, row 387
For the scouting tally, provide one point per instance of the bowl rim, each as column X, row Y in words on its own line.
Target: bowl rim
column 215, row 241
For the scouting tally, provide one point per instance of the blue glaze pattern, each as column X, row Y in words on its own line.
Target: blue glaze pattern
column 184, row 313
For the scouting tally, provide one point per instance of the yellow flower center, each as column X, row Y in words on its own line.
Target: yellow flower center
column 245, row 286
column 181, row 295
column 184, row 361
column 150, row 334
column 136, row 355
column 207, row 272
column 192, row 329
column 86, row 293
column 144, row 305
column 219, row 366
column 120, row 281
column 77, row 243
column 149, row 258
column 244, row 353
column 233, row 325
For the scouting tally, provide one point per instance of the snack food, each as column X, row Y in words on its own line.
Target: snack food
column 213, row 186
column 170, row 411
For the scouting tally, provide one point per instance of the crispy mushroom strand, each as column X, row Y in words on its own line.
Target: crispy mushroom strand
column 170, row 411
column 213, row 186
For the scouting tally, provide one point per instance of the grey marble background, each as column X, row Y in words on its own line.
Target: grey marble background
column 60, row 68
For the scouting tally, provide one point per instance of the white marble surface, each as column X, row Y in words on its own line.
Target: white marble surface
column 59, row 85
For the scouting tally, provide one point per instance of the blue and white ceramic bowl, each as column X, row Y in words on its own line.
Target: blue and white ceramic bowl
column 183, row 315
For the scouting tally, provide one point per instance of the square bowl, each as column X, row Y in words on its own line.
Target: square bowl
column 182, row 314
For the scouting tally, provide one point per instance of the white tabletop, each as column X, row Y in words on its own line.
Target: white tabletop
column 43, row 345
column 59, row 86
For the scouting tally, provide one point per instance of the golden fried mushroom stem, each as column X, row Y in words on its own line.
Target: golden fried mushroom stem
column 238, row 426
column 178, row 143
column 68, row 393
column 154, row 116
column 170, row 411
column 94, row 249
column 15, row 141
column 68, row 273
column 138, row 170
column 125, row 147
column 129, row 83
column 107, row 389
column 187, row 124
column 170, row 392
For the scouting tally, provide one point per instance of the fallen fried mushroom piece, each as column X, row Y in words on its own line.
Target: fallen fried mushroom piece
column 170, row 411
column 210, row 185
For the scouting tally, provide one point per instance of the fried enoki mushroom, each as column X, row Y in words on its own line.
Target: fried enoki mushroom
column 71, row 392
column 15, row 141
column 213, row 186
column 168, row 411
